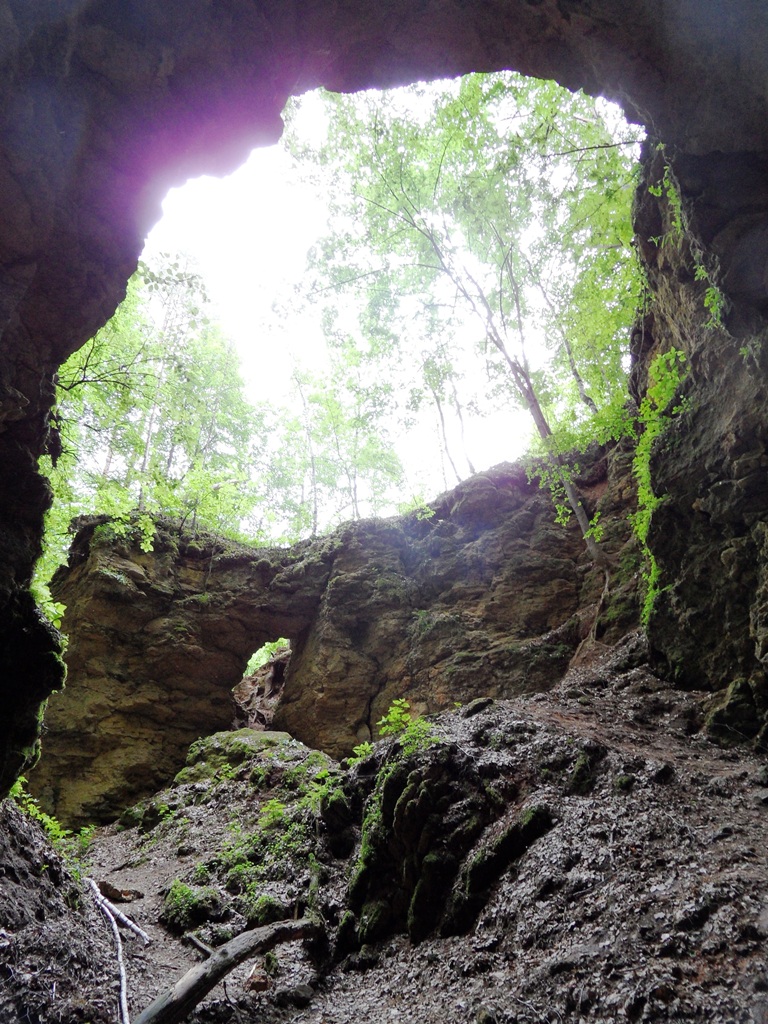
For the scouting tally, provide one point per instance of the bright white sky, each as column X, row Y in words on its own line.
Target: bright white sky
column 248, row 235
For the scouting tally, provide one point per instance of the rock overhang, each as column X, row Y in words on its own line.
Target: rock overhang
column 106, row 103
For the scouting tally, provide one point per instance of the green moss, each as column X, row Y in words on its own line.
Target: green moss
column 132, row 816
column 155, row 813
column 272, row 814
column 271, row 963
column 581, row 779
column 487, row 865
column 225, row 751
column 346, row 936
column 374, row 920
column 201, row 874
column 259, row 776
column 734, row 717
column 260, row 908
column 335, row 809
column 624, row 783
column 436, row 874
column 185, row 906
column 241, row 875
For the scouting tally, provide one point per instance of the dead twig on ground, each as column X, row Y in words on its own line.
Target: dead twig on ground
column 118, row 915
column 108, row 911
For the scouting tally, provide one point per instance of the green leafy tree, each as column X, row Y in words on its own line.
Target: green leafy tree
column 489, row 214
column 343, row 464
column 153, row 419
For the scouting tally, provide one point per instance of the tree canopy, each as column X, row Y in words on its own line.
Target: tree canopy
column 484, row 225
column 477, row 260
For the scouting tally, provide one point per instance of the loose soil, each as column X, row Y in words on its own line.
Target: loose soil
column 646, row 899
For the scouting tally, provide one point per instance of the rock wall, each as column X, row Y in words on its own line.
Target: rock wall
column 487, row 597
column 709, row 626
column 105, row 103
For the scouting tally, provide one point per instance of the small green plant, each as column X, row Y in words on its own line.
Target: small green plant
column 581, row 779
column 360, row 752
column 425, row 621
column 137, row 526
column 669, row 187
column 265, row 652
column 83, row 839
column 595, row 528
column 623, row 783
column 417, row 736
column 750, row 351
column 417, row 507
column 715, row 302
column 397, row 718
column 201, row 874
column 706, row 267
column 413, row 733
column 259, row 908
column 52, row 610
column 272, row 814
column 55, row 831
column 162, row 812
column 73, row 846
column 271, row 963
column 185, row 905
column 319, row 788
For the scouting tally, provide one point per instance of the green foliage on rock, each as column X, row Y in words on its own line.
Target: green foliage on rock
column 665, row 375
column 705, row 266
column 185, row 906
column 397, row 718
column 71, row 845
column 260, row 658
column 259, row 908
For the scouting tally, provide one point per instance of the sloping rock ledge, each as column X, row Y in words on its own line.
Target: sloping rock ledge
column 485, row 596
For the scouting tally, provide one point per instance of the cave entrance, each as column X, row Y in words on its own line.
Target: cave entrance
column 258, row 692
column 350, row 436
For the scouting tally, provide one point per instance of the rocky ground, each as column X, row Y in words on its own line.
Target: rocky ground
column 587, row 854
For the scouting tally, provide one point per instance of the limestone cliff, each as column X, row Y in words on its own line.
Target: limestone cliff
column 487, row 596
column 709, row 625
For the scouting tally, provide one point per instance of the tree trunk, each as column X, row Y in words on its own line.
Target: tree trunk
column 175, row 1004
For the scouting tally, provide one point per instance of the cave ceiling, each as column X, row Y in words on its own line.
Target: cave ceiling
column 107, row 103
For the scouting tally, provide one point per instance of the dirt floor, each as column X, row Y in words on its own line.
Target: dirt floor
column 643, row 897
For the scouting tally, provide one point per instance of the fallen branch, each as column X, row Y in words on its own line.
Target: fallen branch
column 202, row 946
column 174, row 1005
column 117, row 914
column 107, row 911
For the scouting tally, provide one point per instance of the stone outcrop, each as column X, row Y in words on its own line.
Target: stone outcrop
column 105, row 103
column 584, row 854
column 709, row 625
column 487, row 596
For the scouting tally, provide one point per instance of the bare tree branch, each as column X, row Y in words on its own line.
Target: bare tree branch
column 175, row 1004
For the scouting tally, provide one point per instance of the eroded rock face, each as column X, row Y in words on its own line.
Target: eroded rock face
column 584, row 854
column 487, row 597
column 105, row 103
column 709, row 625
column 157, row 641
